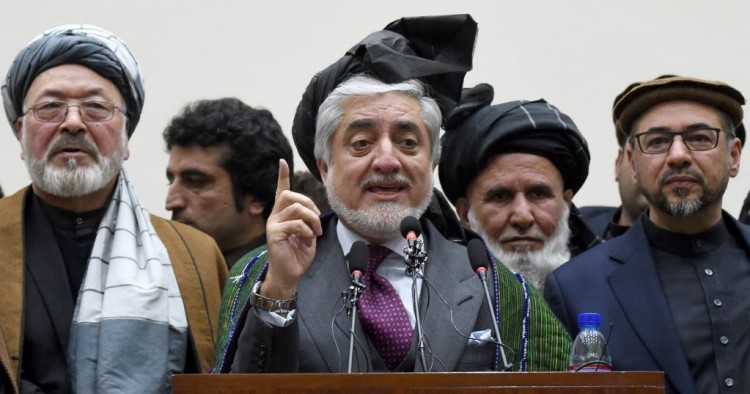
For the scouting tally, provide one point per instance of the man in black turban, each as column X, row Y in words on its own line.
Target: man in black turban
column 511, row 170
column 368, row 126
column 98, row 295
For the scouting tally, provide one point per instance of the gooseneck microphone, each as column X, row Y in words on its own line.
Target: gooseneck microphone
column 479, row 263
column 415, row 256
column 358, row 256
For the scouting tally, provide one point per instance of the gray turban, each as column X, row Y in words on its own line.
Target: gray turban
column 476, row 131
column 86, row 45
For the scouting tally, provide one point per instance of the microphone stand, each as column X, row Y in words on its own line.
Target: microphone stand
column 415, row 257
column 351, row 311
column 483, row 277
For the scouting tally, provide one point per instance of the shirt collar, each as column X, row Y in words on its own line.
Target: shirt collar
column 347, row 237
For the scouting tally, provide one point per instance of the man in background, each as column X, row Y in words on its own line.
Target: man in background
column 512, row 170
column 223, row 165
column 98, row 295
column 609, row 222
column 305, row 183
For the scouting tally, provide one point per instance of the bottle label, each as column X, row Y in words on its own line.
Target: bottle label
column 591, row 367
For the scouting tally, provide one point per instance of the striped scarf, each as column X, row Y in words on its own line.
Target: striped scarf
column 129, row 328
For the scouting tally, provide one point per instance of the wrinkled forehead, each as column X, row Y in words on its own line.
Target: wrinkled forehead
column 72, row 82
column 382, row 110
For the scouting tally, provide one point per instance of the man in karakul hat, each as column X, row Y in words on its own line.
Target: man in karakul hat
column 674, row 285
column 98, row 295
column 511, row 170
column 368, row 126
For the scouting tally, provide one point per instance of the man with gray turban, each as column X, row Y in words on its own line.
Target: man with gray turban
column 511, row 170
column 98, row 295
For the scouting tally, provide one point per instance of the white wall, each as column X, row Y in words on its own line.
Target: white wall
column 577, row 54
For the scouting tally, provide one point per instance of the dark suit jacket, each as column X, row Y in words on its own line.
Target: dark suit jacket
column 618, row 279
column 597, row 218
column 308, row 345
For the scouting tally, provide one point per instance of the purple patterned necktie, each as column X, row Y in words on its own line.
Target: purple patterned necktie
column 382, row 313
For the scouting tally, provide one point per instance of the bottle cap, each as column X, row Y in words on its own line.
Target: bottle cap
column 589, row 320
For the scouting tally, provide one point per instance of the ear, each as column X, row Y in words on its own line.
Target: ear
column 735, row 153
column 253, row 206
column 629, row 156
column 126, row 154
column 462, row 209
column 618, row 162
column 19, row 127
column 568, row 196
column 323, row 168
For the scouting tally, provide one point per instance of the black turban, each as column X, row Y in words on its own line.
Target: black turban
column 476, row 131
column 437, row 50
column 86, row 45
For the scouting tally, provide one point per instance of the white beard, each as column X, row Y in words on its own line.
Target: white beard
column 381, row 221
column 533, row 265
column 73, row 180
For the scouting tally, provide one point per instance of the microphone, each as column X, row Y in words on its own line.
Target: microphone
column 415, row 257
column 411, row 229
column 479, row 262
column 414, row 254
column 358, row 256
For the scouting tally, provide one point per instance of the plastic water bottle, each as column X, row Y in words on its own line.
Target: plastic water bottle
column 589, row 352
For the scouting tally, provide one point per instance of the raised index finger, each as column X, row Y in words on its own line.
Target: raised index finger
column 283, row 182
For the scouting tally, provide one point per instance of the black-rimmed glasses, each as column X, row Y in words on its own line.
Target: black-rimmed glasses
column 90, row 111
column 698, row 139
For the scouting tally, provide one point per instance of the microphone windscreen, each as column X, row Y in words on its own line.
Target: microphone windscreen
column 477, row 254
column 358, row 257
column 410, row 224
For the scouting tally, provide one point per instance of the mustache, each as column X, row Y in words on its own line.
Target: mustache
column 681, row 171
column 77, row 141
column 393, row 178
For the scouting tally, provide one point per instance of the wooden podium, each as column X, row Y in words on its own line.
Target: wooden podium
column 453, row 382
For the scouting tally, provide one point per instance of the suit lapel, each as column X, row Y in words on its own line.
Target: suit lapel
column 47, row 272
column 647, row 310
column 460, row 288
column 323, row 283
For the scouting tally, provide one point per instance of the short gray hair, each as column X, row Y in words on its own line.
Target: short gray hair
column 331, row 112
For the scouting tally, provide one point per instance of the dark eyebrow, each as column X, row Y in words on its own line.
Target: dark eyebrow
column 497, row 190
column 407, row 124
column 360, row 124
column 193, row 172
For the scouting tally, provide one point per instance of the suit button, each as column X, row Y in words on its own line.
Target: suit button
column 717, row 302
column 729, row 382
column 724, row 340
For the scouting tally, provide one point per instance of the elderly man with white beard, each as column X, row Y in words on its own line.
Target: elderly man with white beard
column 511, row 170
column 98, row 295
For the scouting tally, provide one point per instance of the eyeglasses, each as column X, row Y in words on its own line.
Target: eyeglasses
column 90, row 111
column 700, row 139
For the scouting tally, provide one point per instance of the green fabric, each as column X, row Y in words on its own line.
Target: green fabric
column 549, row 342
column 237, row 290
